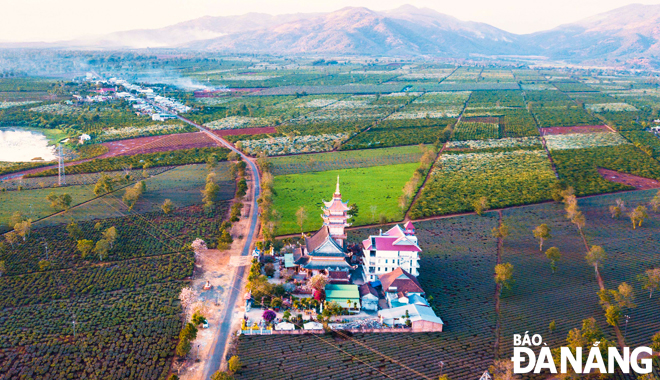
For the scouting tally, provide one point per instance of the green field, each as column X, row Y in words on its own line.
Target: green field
column 182, row 185
column 33, row 203
column 504, row 178
column 345, row 160
column 378, row 186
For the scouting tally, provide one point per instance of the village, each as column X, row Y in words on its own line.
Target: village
column 326, row 282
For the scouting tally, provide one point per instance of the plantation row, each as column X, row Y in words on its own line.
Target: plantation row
column 178, row 157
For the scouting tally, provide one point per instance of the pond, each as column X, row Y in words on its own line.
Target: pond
column 20, row 145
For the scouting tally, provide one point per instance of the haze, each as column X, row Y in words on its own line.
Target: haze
column 53, row 20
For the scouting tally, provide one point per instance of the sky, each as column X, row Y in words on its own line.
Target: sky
column 53, row 20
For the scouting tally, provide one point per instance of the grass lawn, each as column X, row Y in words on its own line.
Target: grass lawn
column 182, row 185
column 378, row 186
column 345, row 159
column 33, row 203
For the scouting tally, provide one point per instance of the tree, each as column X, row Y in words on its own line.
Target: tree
column 103, row 185
column 221, row 375
column 211, row 162
column 23, row 229
column 650, row 280
column 480, row 205
column 85, row 247
column 16, row 218
column 301, row 216
column 110, row 235
column 3, row 268
column 198, row 318
column 637, row 216
column 500, row 232
column 618, row 209
column 318, row 282
column 210, row 192
column 74, row 231
column 133, row 194
column 502, row 369
column 102, row 247
column 183, row 347
column 11, row 238
column 234, row 364
column 612, row 315
column 542, row 233
column 268, row 316
column 59, row 202
column 596, row 256
column 655, row 346
column 654, row 203
column 167, row 206
column 44, row 265
column 504, row 274
column 553, row 255
column 353, row 211
column 552, row 326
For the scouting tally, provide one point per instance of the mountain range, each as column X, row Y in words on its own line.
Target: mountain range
column 627, row 34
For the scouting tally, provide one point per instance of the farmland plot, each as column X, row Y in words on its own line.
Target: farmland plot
column 344, row 160
column 584, row 140
column 182, row 185
column 579, row 167
column 563, row 117
column 465, row 130
column 515, row 122
column 377, row 186
column 507, row 142
column 399, row 132
column 504, row 178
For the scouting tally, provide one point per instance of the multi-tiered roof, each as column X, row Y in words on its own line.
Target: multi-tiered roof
column 335, row 216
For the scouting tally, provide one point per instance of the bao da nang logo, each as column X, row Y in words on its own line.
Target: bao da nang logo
column 580, row 360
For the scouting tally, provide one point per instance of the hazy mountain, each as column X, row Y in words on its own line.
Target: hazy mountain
column 403, row 31
column 626, row 33
column 194, row 30
column 629, row 34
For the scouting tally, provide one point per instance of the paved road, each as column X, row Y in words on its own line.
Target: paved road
column 221, row 340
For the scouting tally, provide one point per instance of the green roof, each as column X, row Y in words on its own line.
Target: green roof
column 341, row 293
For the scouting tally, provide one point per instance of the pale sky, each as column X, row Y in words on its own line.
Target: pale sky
column 52, row 20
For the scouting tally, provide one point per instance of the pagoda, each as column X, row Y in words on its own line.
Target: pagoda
column 335, row 216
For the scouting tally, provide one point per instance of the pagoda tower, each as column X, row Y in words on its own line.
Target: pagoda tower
column 335, row 216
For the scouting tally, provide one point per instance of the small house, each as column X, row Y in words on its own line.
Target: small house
column 346, row 296
column 369, row 297
column 422, row 318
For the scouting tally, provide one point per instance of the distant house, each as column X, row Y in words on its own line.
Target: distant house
column 84, row 137
column 395, row 248
column 162, row 116
column 422, row 318
column 346, row 296
column 313, row 326
column 285, row 326
column 369, row 297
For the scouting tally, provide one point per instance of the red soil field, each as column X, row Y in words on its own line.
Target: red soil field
column 244, row 131
column 152, row 144
column 639, row 183
column 575, row 129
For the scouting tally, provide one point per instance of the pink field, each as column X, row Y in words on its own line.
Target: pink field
column 575, row 129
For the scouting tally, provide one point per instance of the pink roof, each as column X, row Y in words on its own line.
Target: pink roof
column 392, row 243
column 409, row 226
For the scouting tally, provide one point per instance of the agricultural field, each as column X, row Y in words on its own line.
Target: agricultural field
column 181, row 184
column 563, row 117
column 375, row 190
column 400, row 132
column 504, row 178
column 142, row 274
column 33, row 203
column 470, row 130
column 344, row 160
column 515, row 122
column 579, row 167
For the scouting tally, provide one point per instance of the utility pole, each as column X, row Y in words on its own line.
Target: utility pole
column 46, row 248
column 60, row 166
column 74, row 326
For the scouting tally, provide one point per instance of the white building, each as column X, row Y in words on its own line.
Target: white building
column 84, row 137
column 389, row 250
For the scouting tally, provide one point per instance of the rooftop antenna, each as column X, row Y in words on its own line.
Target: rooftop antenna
column 60, row 167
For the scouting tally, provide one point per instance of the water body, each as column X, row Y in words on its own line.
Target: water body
column 20, row 145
